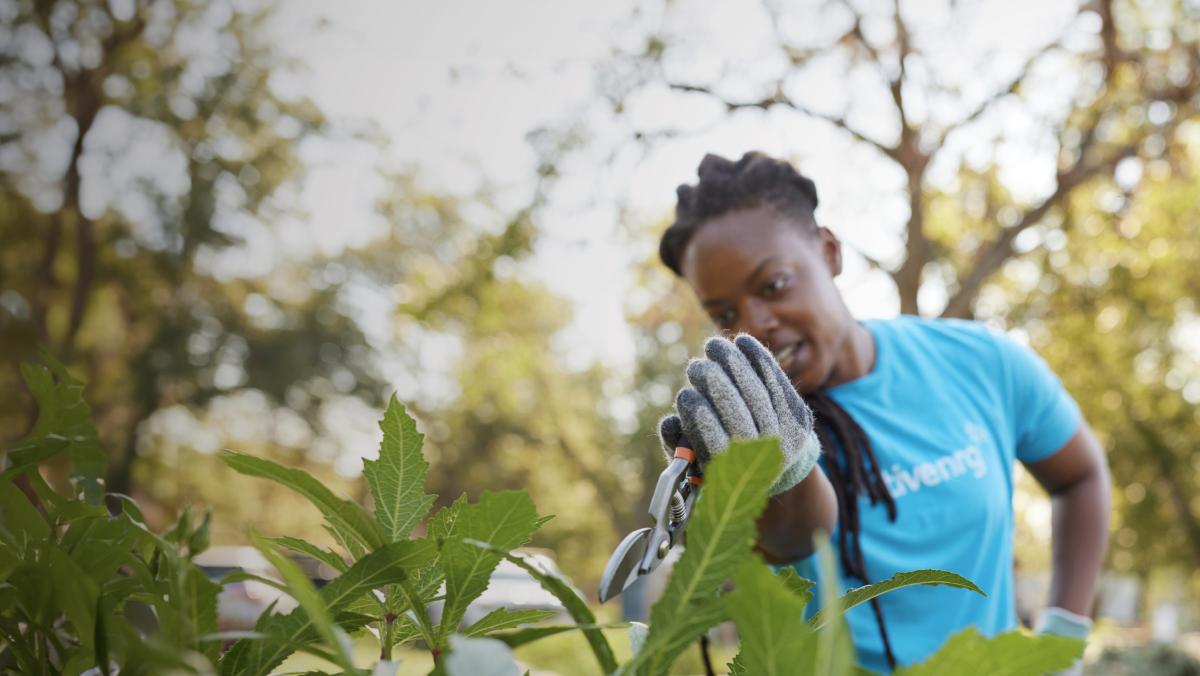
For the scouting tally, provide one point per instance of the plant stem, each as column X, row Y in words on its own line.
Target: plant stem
column 418, row 608
column 708, row 667
column 385, row 639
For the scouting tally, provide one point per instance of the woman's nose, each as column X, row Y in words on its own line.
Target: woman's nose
column 761, row 321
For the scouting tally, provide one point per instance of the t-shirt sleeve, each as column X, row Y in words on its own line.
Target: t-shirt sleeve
column 1043, row 415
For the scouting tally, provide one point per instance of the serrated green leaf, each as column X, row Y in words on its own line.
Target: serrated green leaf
column 737, row 666
column 577, row 607
column 1014, row 653
column 770, row 620
column 308, row 549
column 392, row 563
column 505, row 520
column 397, row 478
column 347, row 519
column 310, row 602
column 63, row 418
column 30, row 453
column 719, row 537
column 503, row 618
column 863, row 594
column 800, row 586
column 404, row 629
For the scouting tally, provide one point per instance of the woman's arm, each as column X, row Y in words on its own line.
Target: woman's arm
column 1077, row 479
column 791, row 519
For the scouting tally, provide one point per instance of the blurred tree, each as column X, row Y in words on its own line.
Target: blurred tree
column 1084, row 99
column 146, row 156
column 1113, row 308
column 149, row 156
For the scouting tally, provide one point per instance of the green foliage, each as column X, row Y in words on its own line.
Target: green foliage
column 348, row 521
column 84, row 585
column 1161, row 659
column 64, row 424
column 79, row 580
column 770, row 620
column 720, row 535
column 585, row 620
column 392, row 585
column 397, row 478
column 863, row 594
column 1009, row 654
column 769, row 609
column 504, row 520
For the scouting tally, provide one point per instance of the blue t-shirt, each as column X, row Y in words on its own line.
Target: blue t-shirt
column 948, row 406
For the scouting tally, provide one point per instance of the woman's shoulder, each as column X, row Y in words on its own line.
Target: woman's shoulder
column 939, row 335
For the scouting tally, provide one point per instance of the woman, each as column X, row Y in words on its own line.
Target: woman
column 919, row 421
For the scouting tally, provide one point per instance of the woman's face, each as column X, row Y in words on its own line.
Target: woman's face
column 756, row 272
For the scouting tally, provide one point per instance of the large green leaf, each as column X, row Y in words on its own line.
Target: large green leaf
column 719, row 537
column 347, row 519
column 1010, row 654
column 863, row 594
column 503, row 618
column 308, row 549
column 577, row 607
column 392, row 563
column 397, row 478
column 770, row 620
column 505, row 520
column 800, row 586
column 197, row 604
column 311, row 603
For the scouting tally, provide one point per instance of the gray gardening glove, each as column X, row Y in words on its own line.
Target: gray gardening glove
column 1060, row 622
column 740, row 391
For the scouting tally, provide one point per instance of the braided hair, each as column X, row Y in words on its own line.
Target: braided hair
column 758, row 180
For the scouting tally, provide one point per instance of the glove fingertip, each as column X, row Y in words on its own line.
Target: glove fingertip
column 752, row 348
column 717, row 348
column 670, row 431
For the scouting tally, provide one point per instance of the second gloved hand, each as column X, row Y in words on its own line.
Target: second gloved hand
column 740, row 392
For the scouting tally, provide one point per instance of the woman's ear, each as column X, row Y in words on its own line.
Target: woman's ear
column 831, row 250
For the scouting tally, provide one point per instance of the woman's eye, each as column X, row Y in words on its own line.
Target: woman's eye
column 723, row 319
column 776, row 285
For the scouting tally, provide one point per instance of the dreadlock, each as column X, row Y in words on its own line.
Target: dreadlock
column 758, row 180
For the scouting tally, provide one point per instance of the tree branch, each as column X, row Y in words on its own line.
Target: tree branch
column 1012, row 88
column 995, row 253
column 779, row 99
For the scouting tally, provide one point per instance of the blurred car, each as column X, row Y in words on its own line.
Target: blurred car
column 513, row 588
column 241, row 602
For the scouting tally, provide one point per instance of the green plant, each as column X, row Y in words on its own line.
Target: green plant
column 76, row 573
column 466, row 540
column 85, row 584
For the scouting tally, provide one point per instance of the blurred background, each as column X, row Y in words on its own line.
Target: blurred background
column 246, row 224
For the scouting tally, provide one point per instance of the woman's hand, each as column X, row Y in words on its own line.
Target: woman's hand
column 740, row 391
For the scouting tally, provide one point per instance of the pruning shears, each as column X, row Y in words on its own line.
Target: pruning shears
column 670, row 509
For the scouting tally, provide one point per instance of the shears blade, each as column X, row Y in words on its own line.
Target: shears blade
column 644, row 549
column 622, row 568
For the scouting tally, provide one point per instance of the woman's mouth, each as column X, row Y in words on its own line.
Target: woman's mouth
column 786, row 355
